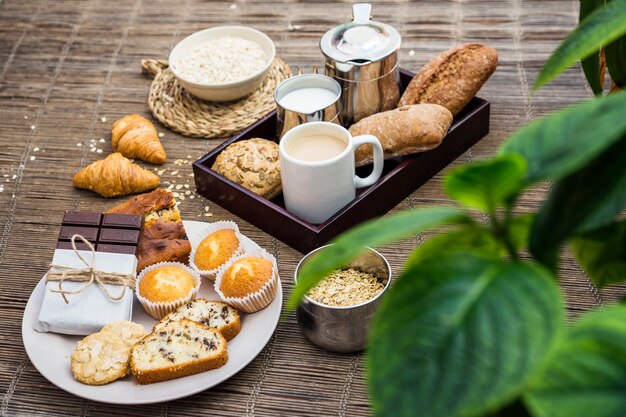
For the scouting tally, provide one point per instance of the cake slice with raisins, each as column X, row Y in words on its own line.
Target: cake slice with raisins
column 178, row 348
column 217, row 314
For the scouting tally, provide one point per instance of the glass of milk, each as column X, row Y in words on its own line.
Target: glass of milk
column 306, row 98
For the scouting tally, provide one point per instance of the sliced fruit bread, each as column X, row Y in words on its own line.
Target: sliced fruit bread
column 179, row 348
column 217, row 314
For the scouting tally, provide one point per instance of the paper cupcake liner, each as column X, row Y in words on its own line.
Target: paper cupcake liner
column 211, row 228
column 160, row 309
column 255, row 301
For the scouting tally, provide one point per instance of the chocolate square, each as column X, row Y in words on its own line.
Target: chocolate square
column 112, row 248
column 122, row 221
column 82, row 218
column 89, row 233
column 119, row 236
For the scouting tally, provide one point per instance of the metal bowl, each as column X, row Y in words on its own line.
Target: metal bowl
column 343, row 329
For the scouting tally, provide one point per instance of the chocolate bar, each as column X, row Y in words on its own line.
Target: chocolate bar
column 114, row 233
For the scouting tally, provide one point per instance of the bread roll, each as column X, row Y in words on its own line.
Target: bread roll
column 403, row 131
column 453, row 78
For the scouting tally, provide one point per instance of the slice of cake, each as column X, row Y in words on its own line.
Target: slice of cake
column 163, row 238
column 179, row 348
column 215, row 314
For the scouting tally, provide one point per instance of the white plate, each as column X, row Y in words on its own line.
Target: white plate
column 50, row 352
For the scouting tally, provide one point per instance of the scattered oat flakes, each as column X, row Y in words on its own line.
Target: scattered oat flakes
column 186, row 185
column 36, row 149
column 191, row 197
column 1, row 188
column 170, row 187
column 79, row 144
column 208, row 214
column 233, row 6
column 161, row 134
column 187, row 192
column 26, row 117
column 181, row 197
column 32, row 158
column 98, row 150
column 179, row 186
column 206, row 208
column 188, row 156
column 14, row 177
column 92, row 149
column 103, row 118
column 174, row 172
column 346, row 287
column 411, row 52
column 101, row 140
column 33, row 127
column 161, row 172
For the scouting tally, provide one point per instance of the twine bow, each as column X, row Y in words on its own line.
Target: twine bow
column 88, row 275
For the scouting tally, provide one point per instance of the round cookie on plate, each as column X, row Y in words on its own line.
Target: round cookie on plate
column 163, row 287
column 254, row 164
column 249, row 281
column 100, row 358
column 129, row 331
column 220, row 244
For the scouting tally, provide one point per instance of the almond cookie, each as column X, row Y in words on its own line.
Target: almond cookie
column 100, row 358
column 129, row 332
column 254, row 164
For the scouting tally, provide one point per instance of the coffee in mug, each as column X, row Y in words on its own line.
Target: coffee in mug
column 318, row 169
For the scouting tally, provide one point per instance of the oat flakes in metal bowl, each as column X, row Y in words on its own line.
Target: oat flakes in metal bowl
column 346, row 287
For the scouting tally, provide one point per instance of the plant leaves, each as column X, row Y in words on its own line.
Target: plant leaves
column 471, row 238
column 602, row 253
column 489, row 184
column 519, row 230
column 559, row 144
column 372, row 233
column 599, row 28
column 615, row 54
column 591, row 64
column 582, row 201
column 461, row 336
column 586, row 373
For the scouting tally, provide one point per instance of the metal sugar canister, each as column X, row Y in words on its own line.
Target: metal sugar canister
column 362, row 56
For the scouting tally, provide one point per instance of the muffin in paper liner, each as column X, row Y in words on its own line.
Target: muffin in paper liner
column 257, row 300
column 207, row 230
column 160, row 309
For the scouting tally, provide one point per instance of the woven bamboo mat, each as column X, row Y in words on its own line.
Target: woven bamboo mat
column 69, row 68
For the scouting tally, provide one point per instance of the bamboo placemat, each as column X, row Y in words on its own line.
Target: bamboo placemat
column 69, row 68
column 173, row 106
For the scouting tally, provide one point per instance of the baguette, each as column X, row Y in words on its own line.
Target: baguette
column 178, row 349
column 453, row 78
column 403, row 131
column 216, row 314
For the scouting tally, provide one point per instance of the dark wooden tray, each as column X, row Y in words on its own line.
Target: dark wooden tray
column 401, row 176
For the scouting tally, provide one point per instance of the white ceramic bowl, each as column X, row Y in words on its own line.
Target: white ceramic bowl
column 230, row 91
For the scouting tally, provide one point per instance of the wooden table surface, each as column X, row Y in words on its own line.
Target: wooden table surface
column 69, row 68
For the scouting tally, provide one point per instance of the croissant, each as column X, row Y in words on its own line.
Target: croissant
column 135, row 137
column 115, row 176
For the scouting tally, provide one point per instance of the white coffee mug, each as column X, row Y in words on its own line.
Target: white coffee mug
column 315, row 190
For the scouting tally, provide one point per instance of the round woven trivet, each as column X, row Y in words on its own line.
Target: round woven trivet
column 182, row 112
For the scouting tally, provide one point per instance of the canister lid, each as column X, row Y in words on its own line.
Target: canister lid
column 361, row 41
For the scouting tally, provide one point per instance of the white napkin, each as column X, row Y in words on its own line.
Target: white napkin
column 88, row 311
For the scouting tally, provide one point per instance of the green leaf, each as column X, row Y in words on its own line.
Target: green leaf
column 582, row 201
column 615, row 54
column 461, row 336
column 591, row 64
column 559, row 144
column 372, row 233
column 489, row 184
column 472, row 238
column 519, row 230
column 586, row 373
column 602, row 253
column 599, row 28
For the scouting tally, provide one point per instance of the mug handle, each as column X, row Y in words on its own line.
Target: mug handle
column 378, row 159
